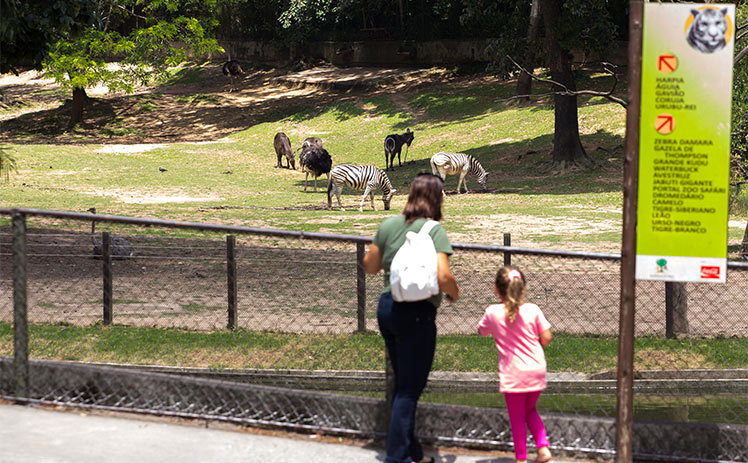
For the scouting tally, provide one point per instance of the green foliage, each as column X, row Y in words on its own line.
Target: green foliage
column 739, row 139
column 7, row 164
column 27, row 27
column 146, row 53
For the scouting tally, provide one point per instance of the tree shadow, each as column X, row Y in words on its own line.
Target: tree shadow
column 518, row 167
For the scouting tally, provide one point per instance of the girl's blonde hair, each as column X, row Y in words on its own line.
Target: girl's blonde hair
column 510, row 282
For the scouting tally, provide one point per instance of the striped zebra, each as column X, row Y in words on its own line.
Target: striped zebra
column 367, row 178
column 443, row 164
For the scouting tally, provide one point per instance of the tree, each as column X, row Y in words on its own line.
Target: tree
column 578, row 24
column 524, row 81
column 80, row 62
column 739, row 136
column 27, row 28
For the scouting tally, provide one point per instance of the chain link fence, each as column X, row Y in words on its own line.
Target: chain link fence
column 295, row 310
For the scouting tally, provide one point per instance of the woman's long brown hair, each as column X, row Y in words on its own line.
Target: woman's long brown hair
column 425, row 198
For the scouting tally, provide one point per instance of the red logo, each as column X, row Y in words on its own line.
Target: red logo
column 709, row 272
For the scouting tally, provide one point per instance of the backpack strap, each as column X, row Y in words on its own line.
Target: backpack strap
column 428, row 226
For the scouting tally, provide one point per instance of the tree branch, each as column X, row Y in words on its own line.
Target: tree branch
column 740, row 56
column 565, row 90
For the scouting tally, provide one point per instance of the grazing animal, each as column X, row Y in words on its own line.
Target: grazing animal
column 310, row 142
column 367, row 178
column 393, row 144
column 443, row 164
column 315, row 161
column 283, row 148
column 120, row 247
column 232, row 69
column 707, row 31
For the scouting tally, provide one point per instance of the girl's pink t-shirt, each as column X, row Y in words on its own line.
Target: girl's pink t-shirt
column 521, row 359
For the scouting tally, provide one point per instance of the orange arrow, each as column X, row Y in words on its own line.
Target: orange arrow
column 664, row 123
column 667, row 63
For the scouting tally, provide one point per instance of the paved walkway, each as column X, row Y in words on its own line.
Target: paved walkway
column 31, row 434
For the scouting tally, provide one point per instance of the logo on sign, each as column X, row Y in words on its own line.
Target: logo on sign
column 709, row 272
column 661, row 265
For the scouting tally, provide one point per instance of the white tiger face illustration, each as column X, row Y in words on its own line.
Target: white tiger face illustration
column 707, row 32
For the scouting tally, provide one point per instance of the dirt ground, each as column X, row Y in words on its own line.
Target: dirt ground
column 35, row 109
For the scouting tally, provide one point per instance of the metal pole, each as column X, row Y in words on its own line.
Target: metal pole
column 625, row 378
column 106, row 254
column 361, row 287
column 231, row 275
column 507, row 254
column 20, row 313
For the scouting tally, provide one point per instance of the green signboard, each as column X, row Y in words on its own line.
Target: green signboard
column 684, row 148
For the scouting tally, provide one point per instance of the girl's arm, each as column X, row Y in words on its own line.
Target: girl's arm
column 373, row 259
column 545, row 338
column 447, row 282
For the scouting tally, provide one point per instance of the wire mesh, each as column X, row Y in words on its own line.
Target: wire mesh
column 297, row 299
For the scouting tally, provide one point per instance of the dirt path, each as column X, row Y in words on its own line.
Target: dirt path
column 33, row 108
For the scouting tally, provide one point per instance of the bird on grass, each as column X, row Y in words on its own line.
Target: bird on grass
column 231, row 69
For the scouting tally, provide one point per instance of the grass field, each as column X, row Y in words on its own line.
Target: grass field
column 249, row 349
column 232, row 179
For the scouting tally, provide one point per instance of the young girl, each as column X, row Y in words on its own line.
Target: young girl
column 520, row 332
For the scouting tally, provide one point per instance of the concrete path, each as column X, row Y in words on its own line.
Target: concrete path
column 31, row 434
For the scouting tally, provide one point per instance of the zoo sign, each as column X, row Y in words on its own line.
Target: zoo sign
column 684, row 142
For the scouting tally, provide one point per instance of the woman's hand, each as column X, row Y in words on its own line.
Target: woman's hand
column 447, row 282
column 373, row 259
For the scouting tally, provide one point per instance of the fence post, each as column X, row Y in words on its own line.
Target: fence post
column 20, row 308
column 676, row 309
column 231, row 275
column 507, row 255
column 106, row 254
column 360, row 287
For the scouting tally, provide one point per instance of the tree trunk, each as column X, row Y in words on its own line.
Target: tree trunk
column 567, row 146
column 79, row 102
column 524, row 82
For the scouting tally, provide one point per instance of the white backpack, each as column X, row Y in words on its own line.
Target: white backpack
column 413, row 269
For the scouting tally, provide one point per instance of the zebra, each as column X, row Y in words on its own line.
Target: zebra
column 443, row 164
column 367, row 178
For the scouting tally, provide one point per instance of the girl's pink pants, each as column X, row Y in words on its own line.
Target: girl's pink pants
column 523, row 414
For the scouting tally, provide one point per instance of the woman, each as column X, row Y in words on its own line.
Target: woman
column 409, row 328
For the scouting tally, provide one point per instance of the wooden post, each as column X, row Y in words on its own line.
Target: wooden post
column 231, row 276
column 625, row 376
column 360, row 287
column 507, row 255
column 676, row 309
column 20, row 308
column 106, row 254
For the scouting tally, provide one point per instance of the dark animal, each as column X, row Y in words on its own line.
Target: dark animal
column 232, row 69
column 310, row 142
column 393, row 144
column 120, row 247
column 283, row 148
column 315, row 161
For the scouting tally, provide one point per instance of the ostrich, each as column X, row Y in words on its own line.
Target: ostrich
column 310, row 142
column 316, row 161
column 283, row 148
column 120, row 247
column 232, row 69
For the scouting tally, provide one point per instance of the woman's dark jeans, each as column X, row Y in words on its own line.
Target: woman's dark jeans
column 409, row 332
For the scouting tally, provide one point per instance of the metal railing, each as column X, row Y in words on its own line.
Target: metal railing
column 298, row 288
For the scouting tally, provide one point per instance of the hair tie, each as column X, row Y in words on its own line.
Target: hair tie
column 514, row 275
